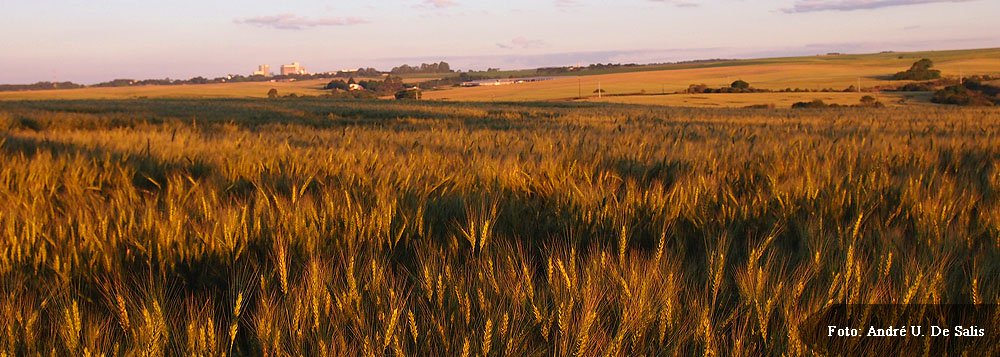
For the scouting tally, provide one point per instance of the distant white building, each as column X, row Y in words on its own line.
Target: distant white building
column 355, row 86
column 263, row 70
column 294, row 68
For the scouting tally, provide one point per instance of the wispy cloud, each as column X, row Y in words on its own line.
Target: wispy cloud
column 567, row 3
column 677, row 3
column 295, row 22
column 523, row 43
column 437, row 4
column 851, row 5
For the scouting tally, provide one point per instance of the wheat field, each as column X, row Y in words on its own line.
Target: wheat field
column 810, row 72
column 317, row 227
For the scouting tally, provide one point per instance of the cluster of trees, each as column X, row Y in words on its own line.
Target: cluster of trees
column 738, row 86
column 441, row 67
column 971, row 92
column 39, row 86
column 354, row 94
column 234, row 78
column 932, row 85
column 409, row 94
column 590, row 67
column 816, row 103
column 361, row 72
column 916, row 87
column 605, row 66
column 811, row 90
column 453, row 80
column 340, row 84
column 919, row 71
column 866, row 102
column 389, row 86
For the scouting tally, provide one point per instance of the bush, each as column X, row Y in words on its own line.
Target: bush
column 960, row 95
column 919, row 71
column 697, row 88
column 354, row 94
column 273, row 93
column 411, row 94
column 338, row 84
column 818, row 103
column 916, row 87
column 869, row 101
column 740, row 84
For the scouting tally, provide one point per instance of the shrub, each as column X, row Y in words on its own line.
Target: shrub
column 869, row 101
column 273, row 93
column 411, row 94
column 338, row 84
column 740, row 84
column 917, row 87
column 960, row 95
column 697, row 88
column 354, row 94
column 818, row 103
column 919, row 71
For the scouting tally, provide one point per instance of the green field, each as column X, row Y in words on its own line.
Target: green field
column 315, row 227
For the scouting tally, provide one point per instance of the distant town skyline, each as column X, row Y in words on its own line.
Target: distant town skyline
column 88, row 42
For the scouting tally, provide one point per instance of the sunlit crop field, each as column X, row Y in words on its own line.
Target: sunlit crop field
column 317, row 227
column 810, row 72
column 778, row 100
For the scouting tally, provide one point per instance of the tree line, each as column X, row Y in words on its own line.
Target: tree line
column 39, row 86
column 441, row 67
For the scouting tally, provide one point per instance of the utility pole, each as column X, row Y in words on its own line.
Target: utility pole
column 859, row 84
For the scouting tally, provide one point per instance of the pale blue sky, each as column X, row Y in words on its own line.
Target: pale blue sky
column 98, row 40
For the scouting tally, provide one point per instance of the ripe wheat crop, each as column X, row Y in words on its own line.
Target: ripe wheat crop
column 316, row 227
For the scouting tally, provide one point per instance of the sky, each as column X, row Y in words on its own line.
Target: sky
column 98, row 40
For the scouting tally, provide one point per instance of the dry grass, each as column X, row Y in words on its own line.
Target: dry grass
column 312, row 227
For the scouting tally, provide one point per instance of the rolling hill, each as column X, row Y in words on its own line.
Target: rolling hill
column 629, row 84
